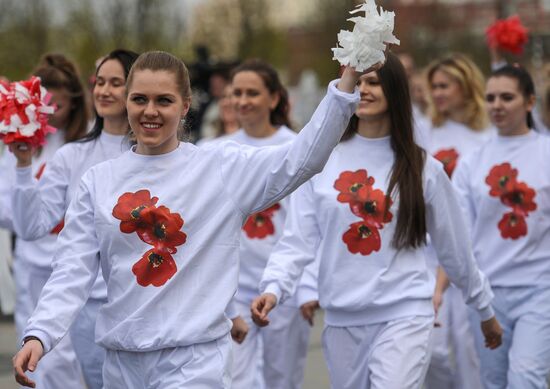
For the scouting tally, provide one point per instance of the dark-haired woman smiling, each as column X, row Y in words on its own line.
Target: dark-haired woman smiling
column 365, row 219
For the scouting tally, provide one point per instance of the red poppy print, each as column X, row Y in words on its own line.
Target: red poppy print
column 500, row 178
column 512, row 226
column 161, row 229
column 260, row 225
column 362, row 238
column 155, row 268
column 131, row 207
column 350, row 182
column 449, row 158
column 156, row 226
column 519, row 196
column 370, row 205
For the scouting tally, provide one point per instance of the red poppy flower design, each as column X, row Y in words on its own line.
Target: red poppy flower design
column 500, row 179
column 130, row 209
column 362, row 238
column 350, row 182
column 370, row 205
column 449, row 158
column 155, row 268
column 512, row 226
column 156, row 226
column 520, row 197
column 161, row 229
column 260, row 225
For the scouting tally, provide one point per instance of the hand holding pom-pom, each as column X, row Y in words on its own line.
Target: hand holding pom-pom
column 24, row 113
column 365, row 46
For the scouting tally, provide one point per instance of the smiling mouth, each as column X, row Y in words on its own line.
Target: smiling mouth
column 151, row 126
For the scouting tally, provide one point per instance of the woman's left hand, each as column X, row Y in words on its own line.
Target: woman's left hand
column 239, row 329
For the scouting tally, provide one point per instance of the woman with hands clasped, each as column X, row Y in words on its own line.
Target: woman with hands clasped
column 163, row 221
column 505, row 191
column 365, row 219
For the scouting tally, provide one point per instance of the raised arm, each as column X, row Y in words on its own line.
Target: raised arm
column 258, row 177
column 39, row 206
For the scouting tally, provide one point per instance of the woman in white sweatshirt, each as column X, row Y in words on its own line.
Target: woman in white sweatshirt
column 39, row 206
column 33, row 258
column 163, row 221
column 374, row 283
column 505, row 191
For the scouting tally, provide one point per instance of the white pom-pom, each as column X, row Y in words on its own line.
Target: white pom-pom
column 365, row 45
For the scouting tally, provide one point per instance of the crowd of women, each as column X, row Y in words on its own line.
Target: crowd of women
column 422, row 230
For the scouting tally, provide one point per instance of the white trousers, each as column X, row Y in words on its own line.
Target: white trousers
column 454, row 363
column 523, row 359
column 199, row 366
column 284, row 343
column 59, row 368
column 391, row 355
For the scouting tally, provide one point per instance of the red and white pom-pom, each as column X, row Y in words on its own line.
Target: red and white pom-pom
column 24, row 111
column 507, row 35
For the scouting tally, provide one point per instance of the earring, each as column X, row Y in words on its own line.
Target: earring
column 182, row 122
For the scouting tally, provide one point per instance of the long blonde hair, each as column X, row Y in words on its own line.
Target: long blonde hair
column 471, row 81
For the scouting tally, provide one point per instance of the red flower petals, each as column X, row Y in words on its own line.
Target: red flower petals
column 371, row 205
column 24, row 112
column 507, row 34
column 156, row 226
column 350, row 182
column 519, row 196
column 512, row 226
column 449, row 158
column 362, row 238
column 260, row 225
column 155, row 268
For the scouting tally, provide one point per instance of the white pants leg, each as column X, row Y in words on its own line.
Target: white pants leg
column 467, row 373
column 199, row 366
column 246, row 372
column 285, row 343
column 441, row 370
column 392, row 355
column 59, row 368
column 90, row 355
column 523, row 360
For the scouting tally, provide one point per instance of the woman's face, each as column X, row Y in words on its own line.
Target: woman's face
column 446, row 93
column 61, row 98
column 373, row 101
column 507, row 106
column 252, row 100
column 155, row 109
column 227, row 109
column 109, row 91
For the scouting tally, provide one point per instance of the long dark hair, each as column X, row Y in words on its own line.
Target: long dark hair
column 270, row 77
column 126, row 58
column 406, row 173
column 58, row 72
column 525, row 84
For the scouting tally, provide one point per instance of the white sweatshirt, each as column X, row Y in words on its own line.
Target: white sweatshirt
column 509, row 217
column 39, row 252
column 360, row 283
column 165, row 230
column 39, row 206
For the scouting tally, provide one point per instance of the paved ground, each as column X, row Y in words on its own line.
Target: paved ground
column 316, row 376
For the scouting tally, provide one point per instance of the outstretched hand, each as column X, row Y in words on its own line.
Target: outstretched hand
column 492, row 332
column 27, row 359
column 308, row 310
column 260, row 308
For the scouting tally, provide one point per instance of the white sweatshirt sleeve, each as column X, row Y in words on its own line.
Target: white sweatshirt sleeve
column 295, row 249
column 6, row 186
column 451, row 241
column 255, row 178
column 462, row 188
column 75, row 267
column 38, row 206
